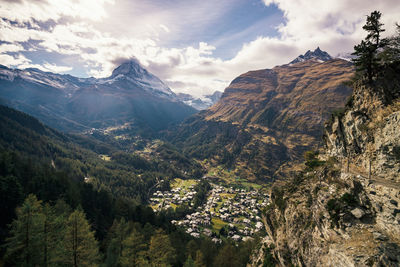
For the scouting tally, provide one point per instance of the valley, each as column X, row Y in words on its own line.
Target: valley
column 294, row 165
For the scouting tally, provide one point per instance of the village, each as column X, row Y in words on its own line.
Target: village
column 227, row 213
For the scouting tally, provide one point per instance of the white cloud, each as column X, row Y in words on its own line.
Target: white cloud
column 140, row 31
column 165, row 28
column 54, row 68
column 13, row 60
column 4, row 48
column 42, row 10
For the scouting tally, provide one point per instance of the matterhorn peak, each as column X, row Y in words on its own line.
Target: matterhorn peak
column 130, row 67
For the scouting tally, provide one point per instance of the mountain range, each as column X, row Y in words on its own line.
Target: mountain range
column 263, row 120
column 268, row 118
column 130, row 96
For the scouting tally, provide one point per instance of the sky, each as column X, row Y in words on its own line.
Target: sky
column 194, row 46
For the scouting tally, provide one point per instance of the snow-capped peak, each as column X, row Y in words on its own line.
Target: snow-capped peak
column 133, row 72
column 317, row 54
column 130, row 68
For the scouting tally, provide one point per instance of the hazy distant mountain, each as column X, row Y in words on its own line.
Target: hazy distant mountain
column 198, row 103
column 317, row 55
column 269, row 117
column 346, row 56
column 130, row 95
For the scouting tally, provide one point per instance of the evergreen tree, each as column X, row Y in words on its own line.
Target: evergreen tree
column 133, row 250
column 53, row 233
column 374, row 28
column 200, row 260
column 189, row 262
column 391, row 54
column 161, row 252
column 24, row 246
column 366, row 60
column 227, row 257
column 56, row 217
column 117, row 234
column 81, row 248
column 191, row 248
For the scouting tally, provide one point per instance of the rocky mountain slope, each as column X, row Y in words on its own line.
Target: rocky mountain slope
column 266, row 118
column 130, row 96
column 344, row 211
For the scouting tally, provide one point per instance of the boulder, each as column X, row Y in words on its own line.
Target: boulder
column 358, row 213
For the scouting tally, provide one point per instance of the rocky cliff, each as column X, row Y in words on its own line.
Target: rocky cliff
column 343, row 209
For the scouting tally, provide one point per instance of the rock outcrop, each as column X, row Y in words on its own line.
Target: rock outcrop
column 344, row 211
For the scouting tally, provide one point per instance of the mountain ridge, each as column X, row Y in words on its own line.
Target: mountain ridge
column 266, row 118
column 317, row 54
column 76, row 104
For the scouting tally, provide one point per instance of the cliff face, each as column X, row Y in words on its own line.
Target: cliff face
column 344, row 211
column 368, row 134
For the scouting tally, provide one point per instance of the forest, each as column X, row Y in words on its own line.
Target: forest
column 52, row 217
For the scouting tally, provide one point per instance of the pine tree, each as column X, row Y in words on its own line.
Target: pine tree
column 391, row 55
column 374, row 28
column 81, row 248
column 200, row 260
column 133, row 251
column 189, row 262
column 227, row 257
column 24, row 246
column 366, row 52
column 118, row 233
column 54, row 232
column 161, row 252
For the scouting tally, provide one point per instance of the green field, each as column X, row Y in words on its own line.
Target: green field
column 217, row 224
column 183, row 184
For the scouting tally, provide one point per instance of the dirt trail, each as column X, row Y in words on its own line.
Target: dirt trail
column 374, row 179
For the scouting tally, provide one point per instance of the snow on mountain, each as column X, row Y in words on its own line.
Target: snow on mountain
column 131, row 72
column 134, row 73
column 317, row 55
column 131, row 94
column 33, row 75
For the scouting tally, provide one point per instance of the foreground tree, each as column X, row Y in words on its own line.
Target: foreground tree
column 24, row 246
column 117, row 234
column 227, row 256
column 161, row 252
column 81, row 248
column 366, row 52
column 134, row 250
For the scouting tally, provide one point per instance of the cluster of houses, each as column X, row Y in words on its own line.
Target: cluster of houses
column 237, row 210
column 177, row 196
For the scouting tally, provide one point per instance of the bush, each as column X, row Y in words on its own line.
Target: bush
column 396, row 152
column 349, row 199
column 269, row 260
column 278, row 199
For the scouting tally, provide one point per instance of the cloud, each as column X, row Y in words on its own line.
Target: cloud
column 14, row 60
column 54, row 68
column 42, row 10
column 165, row 28
column 4, row 48
column 103, row 34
